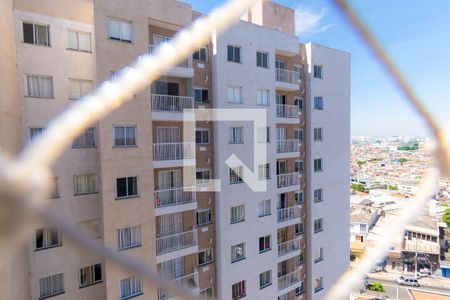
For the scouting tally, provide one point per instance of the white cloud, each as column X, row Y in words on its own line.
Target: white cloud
column 309, row 22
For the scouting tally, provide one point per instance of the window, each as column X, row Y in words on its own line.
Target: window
column 283, row 297
column 47, row 238
column 299, row 197
column 318, row 255
column 129, row 237
column 238, row 290
column 129, row 287
column 36, row 34
column 85, row 140
column 318, row 72
column 298, row 134
column 299, row 70
column 236, row 175
column 317, row 134
column 35, row 132
column 80, row 41
column 234, row 54
column 54, row 188
column 204, row 217
column 120, row 30
column 201, row 54
column 298, row 102
column 318, row 284
column 237, row 214
column 299, row 166
column 92, row 227
column 301, row 289
column 318, row 103
column 264, row 172
column 265, row 279
column 201, row 95
column 262, row 97
column 205, row 257
column 124, row 136
column 318, row 225
column 203, row 176
column 79, row 88
column 264, row 243
column 264, row 208
column 299, row 259
column 206, row 294
column 51, row 286
column 126, row 187
column 85, row 184
column 39, row 86
column 262, row 59
column 318, row 195
column 263, row 135
column 202, row 136
column 235, row 94
column 237, row 252
column 236, row 135
column 318, row 165
column 90, row 275
column 299, row 228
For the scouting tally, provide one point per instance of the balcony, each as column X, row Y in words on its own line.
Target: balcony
column 289, row 247
column 174, row 200
column 288, row 79
column 290, row 213
column 288, row 146
column 172, row 154
column 182, row 69
column 288, row 111
column 288, row 179
column 176, row 242
column 175, row 105
column 189, row 281
column 289, row 280
column 421, row 246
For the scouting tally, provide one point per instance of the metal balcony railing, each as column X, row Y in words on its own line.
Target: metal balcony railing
column 288, row 280
column 286, row 214
column 285, row 146
column 288, row 179
column 173, row 151
column 288, row 76
column 176, row 242
column 173, row 196
column 289, row 246
column 168, row 103
column 189, row 281
column 186, row 63
column 287, row 111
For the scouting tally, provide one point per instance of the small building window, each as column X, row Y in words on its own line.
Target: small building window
column 234, row 54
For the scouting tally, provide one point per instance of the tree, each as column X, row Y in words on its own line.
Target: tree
column 358, row 187
column 446, row 217
column 377, row 287
column 402, row 160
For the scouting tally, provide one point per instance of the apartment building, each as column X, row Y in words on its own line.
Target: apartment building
column 125, row 182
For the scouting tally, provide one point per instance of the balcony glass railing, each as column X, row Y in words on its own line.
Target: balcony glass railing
column 173, row 151
column 173, row 196
column 288, row 280
column 288, row 76
column 286, row 146
column 288, row 179
column 287, row 111
column 289, row 246
column 286, row 214
column 187, row 63
column 176, row 242
column 189, row 281
column 168, row 103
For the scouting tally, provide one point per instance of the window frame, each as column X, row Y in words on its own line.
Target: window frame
column 318, row 191
column 125, row 127
column 296, row 198
column 132, row 245
column 239, row 176
column 268, row 275
column 83, row 135
column 318, row 165
column 78, row 40
column 262, row 54
column 264, row 204
column 54, row 293
column 299, row 166
column 121, row 21
column 265, row 170
column 318, row 134
column 232, row 132
column 80, row 81
column 203, row 210
column 264, row 238
column 34, row 33
column 132, row 295
column 200, row 54
column 207, row 262
column 126, row 186
column 318, row 228
column 241, row 94
column 241, row 288
column 92, row 270
column 204, row 181
column 262, row 92
column 75, row 193
column 233, row 59
column 202, row 89
column 48, row 246
column 26, row 94
column 202, row 130
column 240, row 217
column 318, row 71
column 318, row 103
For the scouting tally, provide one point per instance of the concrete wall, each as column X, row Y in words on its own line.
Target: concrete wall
column 334, row 151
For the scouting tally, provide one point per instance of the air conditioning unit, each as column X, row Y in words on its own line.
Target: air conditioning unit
column 302, row 91
column 210, row 241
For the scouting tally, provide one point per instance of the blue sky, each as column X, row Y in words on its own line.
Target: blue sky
column 415, row 33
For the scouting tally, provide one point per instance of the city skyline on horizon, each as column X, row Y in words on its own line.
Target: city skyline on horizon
column 378, row 108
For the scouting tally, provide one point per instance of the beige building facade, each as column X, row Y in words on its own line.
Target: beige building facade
column 123, row 181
